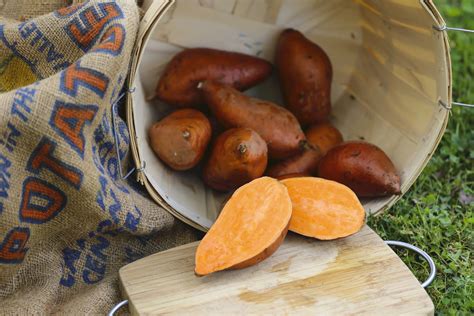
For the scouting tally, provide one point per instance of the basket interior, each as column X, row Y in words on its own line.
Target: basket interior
column 390, row 70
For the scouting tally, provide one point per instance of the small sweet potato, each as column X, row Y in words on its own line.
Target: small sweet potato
column 238, row 156
column 324, row 135
column 303, row 163
column 276, row 125
column 305, row 74
column 180, row 139
column 292, row 175
column 251, row 227
column 323, row 209
column 178, row 84
column 363, row 167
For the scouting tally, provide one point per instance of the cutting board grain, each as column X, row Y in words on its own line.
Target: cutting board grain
column 351, row 276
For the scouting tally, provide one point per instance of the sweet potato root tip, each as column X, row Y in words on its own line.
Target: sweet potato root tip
column 251, row 227
column 363, row 167
column 276, row 125
column 180, row 83
column 324, row 135
column 323, row 209
column 238, row 156
column 180, row 139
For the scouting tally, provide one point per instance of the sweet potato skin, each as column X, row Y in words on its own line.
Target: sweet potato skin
column 264, row 254
column 276, row 125
column 305, row 74
column 303, row 163
column 180, row 139
column 178, row 84
column 292, row 175
column 238, row 156
column 324, row 135
column 361, row 166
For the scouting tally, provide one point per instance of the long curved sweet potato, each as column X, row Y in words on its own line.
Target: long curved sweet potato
column 250, row 228
column 238, row 156
column 323, row 209
column 277, row 126
column 324, row 135
column 363, row 167
column 180, row 139
column 178, row 84
column 305, row 74
column 303, row 163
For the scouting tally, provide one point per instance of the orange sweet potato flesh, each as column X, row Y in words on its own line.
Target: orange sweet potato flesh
column 363, row 167
column 250, row 228
column 303, row 163
column 180, row 139
column 276, row 125
column 238, row 156
column 324, row 135
column 179, row 82
column 305, row 74
column 323, row 209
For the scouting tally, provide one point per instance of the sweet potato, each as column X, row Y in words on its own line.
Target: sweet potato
column 363, row 167
column 303, row 163
column 324, row 135
column 277, row 126
column 238, row 156
column 178, row 84
column 250, row 228
column 292, row 175
column 180, row 139
column 323, row 209
column 305, row 74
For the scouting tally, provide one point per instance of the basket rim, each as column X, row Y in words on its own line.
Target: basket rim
column 147, row 25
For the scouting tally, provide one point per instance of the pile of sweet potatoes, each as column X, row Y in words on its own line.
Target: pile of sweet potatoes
column 233, row 138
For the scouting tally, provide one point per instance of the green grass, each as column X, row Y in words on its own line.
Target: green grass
column 437, row 214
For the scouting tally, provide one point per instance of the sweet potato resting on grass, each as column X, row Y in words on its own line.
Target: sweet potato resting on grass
column 250, row 228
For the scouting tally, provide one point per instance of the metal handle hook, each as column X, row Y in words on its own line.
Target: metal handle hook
column 442, row 28
column 117, row 307
column 423, row 254
column 116, row 140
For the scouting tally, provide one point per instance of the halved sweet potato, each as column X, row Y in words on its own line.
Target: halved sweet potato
column 323, row 209
column 250, row 228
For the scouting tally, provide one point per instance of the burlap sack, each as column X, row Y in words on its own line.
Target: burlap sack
column 67, row 220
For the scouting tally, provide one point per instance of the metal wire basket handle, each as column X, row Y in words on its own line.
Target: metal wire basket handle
column 423, row 254
column 444, row 28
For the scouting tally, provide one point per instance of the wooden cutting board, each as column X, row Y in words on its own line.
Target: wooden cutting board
column 354, row 275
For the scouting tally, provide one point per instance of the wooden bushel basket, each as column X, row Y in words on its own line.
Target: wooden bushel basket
column 391, row 70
